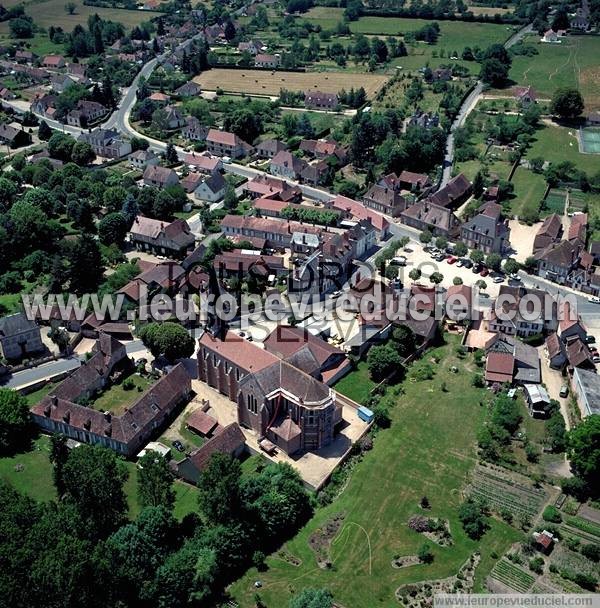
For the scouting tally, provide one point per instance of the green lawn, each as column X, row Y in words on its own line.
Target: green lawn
column 529, row 191
column 40, row 44
column 10, row 302
column 357, row 384
column 429, row 450
column 573, row 63
column 36, row 396
column 557, row 144
column 116, row 398
column 30, row 472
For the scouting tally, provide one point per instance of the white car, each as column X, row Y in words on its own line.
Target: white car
column 594, row 300
column 498, row 279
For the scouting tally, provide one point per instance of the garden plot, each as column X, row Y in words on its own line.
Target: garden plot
column 512, row 576
column 504, row 490
column 555, row 201
column 581, row 528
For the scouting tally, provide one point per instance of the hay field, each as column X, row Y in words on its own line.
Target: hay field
column 262, row 82
column 52, row 12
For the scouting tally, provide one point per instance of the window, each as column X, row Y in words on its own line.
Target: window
column 251, row 403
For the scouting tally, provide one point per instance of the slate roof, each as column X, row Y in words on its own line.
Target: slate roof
column 16, row 324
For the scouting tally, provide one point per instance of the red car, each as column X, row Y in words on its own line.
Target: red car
column 484, row 272
column 452, row 259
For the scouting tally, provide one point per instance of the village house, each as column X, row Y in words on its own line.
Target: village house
column 422, row 120
column 263, row 60
column 173, row 118
column 189, row 89
column 416, row 183
column 161, row 99
column 140, row 159
column 223, row 143
column 577, row 233
column 211, row 189
column 161, row 238
column 557, row 260
column 456, row 192
column 548, row 233
column 287, row 165
column 7, row 94
column 269, row 148
column 127, row 433
column 159, row 177
column 317, row 100
column 252, row 46
column 22, row 56
column 267, row 186
column 107, row 143
column 19, row 337
column 194, row 130
column 525, row 96
column 203, row 163
column 555, row 351
column 441, row 74
column 276, row 400
column 581, row 19
column 13, row 137
column 488, row 231
column 315, row 173
column 86, row 112
column 511, row 301
column 579, row 355
column 55, row 62
column 385, row 200
column 550, row 36
column 354, row 210
column 508, row 360
column 586, row 386
column 240, row 263
column 425, row 215
column 61, row 82
column 324, row 149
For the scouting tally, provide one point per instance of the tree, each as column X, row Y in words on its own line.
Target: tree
column 425, row 237
column 424, row 554
column 511, row 266
column 477, row 256
column 60, row 146
column 44, row 131
column 21, row 28
column 230, row 200
column 112, row 229
column 414, row 274
column 530, row 264
column 457, row 281
column 59, row 453
column 404, row 340
column 472, row 518
column 219, row 489
column 85, row 265
column 244, row 122
column 93, row 478
column 14, row 420
column 493, row 261
column 441, row 242
column 436, row 278
column 70, row 8
column 82, row 153
column 171, row 154
column 382, row 361
column 168, row 339
column 493, row 72
column 460, row 249
column 592, row 552
column 312, row 598
column 481, row 284
column 584, row 452
column 478, row 184
column 155, row 481
column 567, row 103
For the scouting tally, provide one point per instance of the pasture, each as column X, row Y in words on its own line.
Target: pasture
column 429, row 450
column 265, row 82
column 52, row 12
column 572, row 63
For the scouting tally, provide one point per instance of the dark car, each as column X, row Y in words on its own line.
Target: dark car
column 467, row 263
column 476, row 268
column 590, row 339
column 178, row 445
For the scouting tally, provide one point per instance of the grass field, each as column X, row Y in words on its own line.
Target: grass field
column 429, row 450
column 529, row 191
column 52, row 12
column 573, row 63
column 40, row 44
column 557, row 144
column 357, row 385
column 265, row 82
column 116, row 398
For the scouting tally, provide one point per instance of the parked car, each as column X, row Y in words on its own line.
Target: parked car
column 451, row 259
column 594, row 300
column 590, row 339
column 596, row 359
column 484, row 272
column 399, row 260
column 336, row 294
column 476, row 269
column 497, row 279
column 467, row 263
column 564, row 391
column 460, row 262
column 178, row 445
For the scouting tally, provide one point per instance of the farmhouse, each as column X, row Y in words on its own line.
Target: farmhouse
column 316, row 100
column 60, row 412
column 189, row 89
column 161, row 238
column 262, row 60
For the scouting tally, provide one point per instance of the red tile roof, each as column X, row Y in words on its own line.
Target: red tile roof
column 499, row 367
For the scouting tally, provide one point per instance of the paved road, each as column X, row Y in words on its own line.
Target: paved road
column 467, row 107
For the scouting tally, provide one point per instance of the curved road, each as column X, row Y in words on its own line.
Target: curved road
column 467, row 107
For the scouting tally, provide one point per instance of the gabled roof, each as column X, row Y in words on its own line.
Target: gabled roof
column 227, row 441
column 499, row 367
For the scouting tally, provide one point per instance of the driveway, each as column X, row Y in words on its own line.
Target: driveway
column 521, row 238
column 553, row 380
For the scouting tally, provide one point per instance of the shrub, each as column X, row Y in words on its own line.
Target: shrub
column 592, row 552
column 552, row 514
column 128, row 384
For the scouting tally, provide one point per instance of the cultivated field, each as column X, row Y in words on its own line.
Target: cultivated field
column 52, row 12
column 429, row 450
column 573, row 63
column 257, row 82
